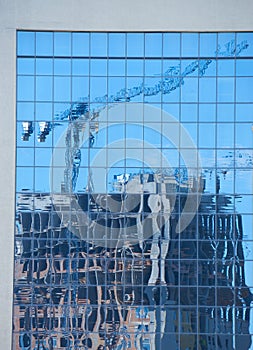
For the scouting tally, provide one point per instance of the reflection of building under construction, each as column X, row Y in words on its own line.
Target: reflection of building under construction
column 153, row 288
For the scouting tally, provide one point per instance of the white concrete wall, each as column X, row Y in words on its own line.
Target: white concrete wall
column 86, row 15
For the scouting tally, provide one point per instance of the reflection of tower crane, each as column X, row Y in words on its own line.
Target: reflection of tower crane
column 172, row 79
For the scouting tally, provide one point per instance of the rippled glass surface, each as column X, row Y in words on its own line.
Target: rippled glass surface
column 134, row 198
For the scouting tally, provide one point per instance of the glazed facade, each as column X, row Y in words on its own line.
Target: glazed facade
column 133, row 191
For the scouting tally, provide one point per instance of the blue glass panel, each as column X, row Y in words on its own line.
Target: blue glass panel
column 226, row 89
column 24, row 179
column 135, row 67
column 80, row 44
column 131, row 84
column 135, row 44
column 207, row 44
column 43, row 156
column 81, row 185
column 207, row 135
column 44, row 111
column 25, row 66
column 153, row 45
column 117, row 45
column 153, row 67
column 62, row 66
column 44, row 66
column 25, row 133
column 225, row 135
column 191, row 128
column 244, row 67
column 244, row 112
column 25, row 156
column 207, row 90
column 171, row 44
column 207, row 112
column 189, row 91
column 62, row 44
column 25, row 90
column 98, row 44
column 115, row 133
column 26, row 43
column 190, row 45
column 98, row 67
column 80, row 66
column 117, row 67
column 62, row 89
column 44, row 44
column 244, row 135
column 244, row 88
column 245, row 38
column 225, row 112
column 98, row 88
column 115, row 85
column 226, row 44
column 226, row 67
column 25, row 111
column 41, row 179
column 80, row 88
column 44, row 88
column 189, row 112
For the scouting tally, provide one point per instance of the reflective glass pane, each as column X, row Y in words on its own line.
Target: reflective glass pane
column 44, row 66
column 26, row 43
column 44, row 44
column 25, row 89
column 190, row 44
column 44, row 88
column 135, row 44
column 62, row 66
column 153, row 45
column 62, row 89
column 25, row 66
column 117, row 45
column 98, row 44
column 171, row 44
column 62, row 44
column 80, row 44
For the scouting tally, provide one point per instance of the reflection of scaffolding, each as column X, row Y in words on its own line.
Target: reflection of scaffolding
column 70, row 293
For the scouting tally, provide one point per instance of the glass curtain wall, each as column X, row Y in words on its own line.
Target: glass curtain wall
column 134, row 191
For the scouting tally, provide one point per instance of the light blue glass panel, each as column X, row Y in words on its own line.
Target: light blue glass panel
column 244, row 184
column 244, row 205
column 173, row 96
column 25, row 156
column 80, row 44
column 245, row 38
column 135, row 67
column 25, row 90
column 206, row 135
column 225, row 112
column 44, row 66
column 135, row 44
column 26, row 43
column 98, row 88
column 226, row 67
column 153, row 44
column 43, row 156
column 172, row 109
column 62, row 66
column 117, row 45
column 244, row 89
column 115, row 133
column 171, row 44
column 25, row 66
column 133, row 131
column 172, row 158
column 225, row 135
column 80, row 66
column 80, row 88
column 44, row 111
column 24, row 179
column 244, row 67
column 44, row 88
column 189, row 91
column 244, row 135
column 117, row 67
column 98, row 44
column 115, row 84
column 20, row 133
column 82, row 180
column 189, row 112
column 207, row 156
column 98, row 67
column 153, row 67
column 186, row 67
column 207, row 112
column 207, row 44
column 190, row 44
column 226, row 89
column 152, row 90
column 58, row 132
column 44, row 44
column 101, row 137
column 62, row 89
column 152, row 134
column 207, row 90
column 41, row 181
column 131, row 84
column 226, row 44
column 62, row 44
column 25, row 111
column 244, row 112
column 192, row 130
